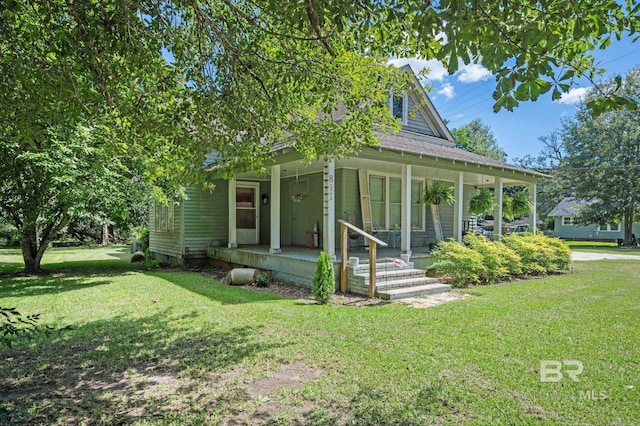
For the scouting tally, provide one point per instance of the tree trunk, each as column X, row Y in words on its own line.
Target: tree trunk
column 34, row 241
column 628, row 227
column 105, row 234
column 29, row 246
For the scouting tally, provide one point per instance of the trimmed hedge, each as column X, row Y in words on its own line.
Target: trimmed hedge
column 479, row 260
column 462, row 264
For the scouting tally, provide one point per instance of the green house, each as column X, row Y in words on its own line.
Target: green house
column 281, row 221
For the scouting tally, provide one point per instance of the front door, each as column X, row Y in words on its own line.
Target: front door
column 299, row 213
column 247, row 213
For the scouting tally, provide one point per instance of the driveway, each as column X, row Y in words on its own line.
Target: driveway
column 583, row 255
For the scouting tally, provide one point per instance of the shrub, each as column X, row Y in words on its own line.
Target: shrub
column 461, row 263
column 498, row 259
column 141, row 233
column 540, row 254
column 324, row 279
column 149, row 261
column 262, row 280
column 559, row 252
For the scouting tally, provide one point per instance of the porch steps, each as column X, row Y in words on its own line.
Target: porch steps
column 393, row 282
column 421, row 290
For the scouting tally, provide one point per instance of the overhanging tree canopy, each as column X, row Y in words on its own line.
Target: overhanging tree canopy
column 172, row 80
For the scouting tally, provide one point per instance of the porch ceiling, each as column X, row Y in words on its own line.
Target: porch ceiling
column 436, row 169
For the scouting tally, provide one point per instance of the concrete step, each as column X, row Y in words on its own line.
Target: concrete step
column 380, row 266
column 404, row 282
column 420, row 290
column 393, row 273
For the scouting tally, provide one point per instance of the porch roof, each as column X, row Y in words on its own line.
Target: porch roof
column 404, row 142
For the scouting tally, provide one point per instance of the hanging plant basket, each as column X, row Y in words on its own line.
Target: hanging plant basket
column 518, row 204
column 482, row 202
column 438, row 193
column 297, row 197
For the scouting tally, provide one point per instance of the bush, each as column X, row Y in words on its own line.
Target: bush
column 141, row 233
column 324, row 279
column 149, row 261
column 262, row 280
column 498, row 259
column 560, row 252
column 461, row 263
column 539, row 254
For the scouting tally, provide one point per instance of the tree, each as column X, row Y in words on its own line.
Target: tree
column 476, row 136
column 167, row 81
column 42, row 188
column 602, row 159
column 549, row 191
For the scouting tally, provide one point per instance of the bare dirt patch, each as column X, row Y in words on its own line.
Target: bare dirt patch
column 288, row 376
column 435, row 299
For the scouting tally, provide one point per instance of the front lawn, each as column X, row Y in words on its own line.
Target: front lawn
column 601, row 247
column 180, row 348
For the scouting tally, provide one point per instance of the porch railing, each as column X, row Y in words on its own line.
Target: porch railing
column 344, row 244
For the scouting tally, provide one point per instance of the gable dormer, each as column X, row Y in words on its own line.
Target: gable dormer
column 416, row 112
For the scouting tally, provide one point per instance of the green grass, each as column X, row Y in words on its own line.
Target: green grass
column 601, row 247
column 71, row 258
column 180, row 348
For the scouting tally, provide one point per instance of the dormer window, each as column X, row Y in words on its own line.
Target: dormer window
column 398, row 104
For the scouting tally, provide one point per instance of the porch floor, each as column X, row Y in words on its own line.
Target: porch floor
column 298, row 264
column 311, row 254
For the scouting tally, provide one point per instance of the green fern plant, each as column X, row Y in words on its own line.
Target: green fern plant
column 438, row 193
column 482, row 202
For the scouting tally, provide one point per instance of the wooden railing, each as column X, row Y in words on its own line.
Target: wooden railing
column 344, row 244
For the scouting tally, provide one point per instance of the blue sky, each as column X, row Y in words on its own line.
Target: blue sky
column 466, row 95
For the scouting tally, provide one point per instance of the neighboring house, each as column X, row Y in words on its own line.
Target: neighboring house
column 255, row 220
column 565, row 225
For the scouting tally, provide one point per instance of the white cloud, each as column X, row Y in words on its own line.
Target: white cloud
column 436, row 71
column 472, row 73
column 573, row 96
column 447, row 90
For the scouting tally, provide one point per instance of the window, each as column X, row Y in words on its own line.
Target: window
column 386, row 202
column 567, row 220
column 164, row 217
column 399, row 105
column 377, row 194
column 611, row 227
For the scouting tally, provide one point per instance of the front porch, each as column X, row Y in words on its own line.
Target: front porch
column 298, row 264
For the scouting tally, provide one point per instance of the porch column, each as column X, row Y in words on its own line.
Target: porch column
column 458, row 211
column 233, row 239
column 405, row 211
column 275, row 210
column 533, row 214
column 329, row 209
column 497, row 213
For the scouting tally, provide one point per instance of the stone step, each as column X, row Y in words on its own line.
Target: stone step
column 404, row 282
column 380, row 266
column 421, row 290
column 391, row 273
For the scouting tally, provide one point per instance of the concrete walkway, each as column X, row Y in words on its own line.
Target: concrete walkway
column 583, row 255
